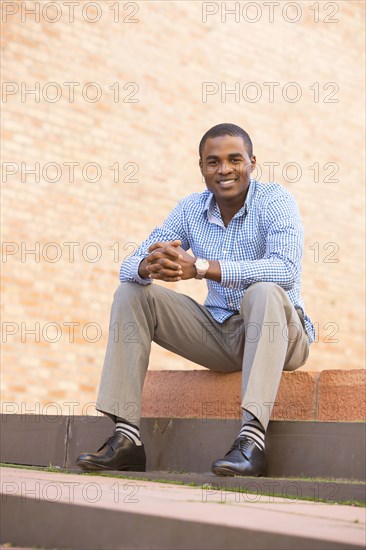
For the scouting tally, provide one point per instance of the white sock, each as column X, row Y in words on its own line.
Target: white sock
column 255, row 431
column 129, row 430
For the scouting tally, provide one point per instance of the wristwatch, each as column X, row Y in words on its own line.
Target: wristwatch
column 201, row 266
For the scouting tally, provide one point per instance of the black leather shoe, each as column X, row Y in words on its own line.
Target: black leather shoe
column 117, row 453
column 243, row 459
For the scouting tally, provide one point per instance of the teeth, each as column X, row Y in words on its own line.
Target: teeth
column 226, row 181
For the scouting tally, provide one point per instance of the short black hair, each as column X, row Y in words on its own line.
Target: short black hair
column 227, row 129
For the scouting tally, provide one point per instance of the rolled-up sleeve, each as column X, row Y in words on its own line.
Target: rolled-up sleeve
column 281, row 262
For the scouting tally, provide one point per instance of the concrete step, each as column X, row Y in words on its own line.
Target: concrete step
column 292, row 489
column 333, row 450
column 84, row 511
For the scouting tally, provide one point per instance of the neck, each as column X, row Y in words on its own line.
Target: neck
column 229, row 209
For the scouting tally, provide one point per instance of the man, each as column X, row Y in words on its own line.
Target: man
column 246, row 239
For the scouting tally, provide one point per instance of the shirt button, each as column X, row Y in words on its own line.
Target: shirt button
column 231, row 286
column 231, row 304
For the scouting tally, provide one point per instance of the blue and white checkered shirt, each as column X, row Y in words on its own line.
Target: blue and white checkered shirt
column 262, row 242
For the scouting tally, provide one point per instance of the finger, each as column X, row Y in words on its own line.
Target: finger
column 164, row 269
column 155, row 256
column 169, row 264
column 173, row 252
column 163, row 253
column 166, row 279
column 164, row 272
column 154, row 246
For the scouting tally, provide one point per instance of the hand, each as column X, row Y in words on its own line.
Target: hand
column 186, row 262
column 169, row 262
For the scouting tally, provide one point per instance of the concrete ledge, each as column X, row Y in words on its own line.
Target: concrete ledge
column 330, row 395
column 294, row 449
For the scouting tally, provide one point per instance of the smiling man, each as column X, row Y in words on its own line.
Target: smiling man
column 246, row 240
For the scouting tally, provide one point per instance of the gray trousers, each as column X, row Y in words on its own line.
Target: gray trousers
column 267, row 336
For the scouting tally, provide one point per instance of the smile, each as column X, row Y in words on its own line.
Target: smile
column 226, row 183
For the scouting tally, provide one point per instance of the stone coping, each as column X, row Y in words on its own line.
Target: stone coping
column 328, row 396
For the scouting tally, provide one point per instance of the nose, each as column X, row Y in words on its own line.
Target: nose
column 224, row 168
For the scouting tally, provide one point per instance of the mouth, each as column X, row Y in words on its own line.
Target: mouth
column 226, row 183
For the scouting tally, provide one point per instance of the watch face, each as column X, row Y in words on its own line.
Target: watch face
column 202, row 265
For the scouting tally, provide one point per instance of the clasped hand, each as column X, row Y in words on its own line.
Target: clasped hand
column 169, row 262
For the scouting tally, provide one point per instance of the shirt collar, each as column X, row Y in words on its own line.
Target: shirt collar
column 213, row 211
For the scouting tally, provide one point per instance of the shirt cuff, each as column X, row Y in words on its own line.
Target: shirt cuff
column 133, row 271
column 231, row 274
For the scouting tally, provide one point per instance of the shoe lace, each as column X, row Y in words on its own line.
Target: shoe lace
column 244, row 444
column 110, row 440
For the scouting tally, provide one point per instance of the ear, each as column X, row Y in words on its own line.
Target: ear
column 200, row 163
column 253, row 162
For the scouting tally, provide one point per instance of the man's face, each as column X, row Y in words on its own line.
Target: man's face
column 226, row 168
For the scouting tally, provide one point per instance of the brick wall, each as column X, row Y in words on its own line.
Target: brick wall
column 162, row 69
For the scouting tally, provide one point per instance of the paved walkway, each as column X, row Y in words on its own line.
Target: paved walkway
column 328, row 522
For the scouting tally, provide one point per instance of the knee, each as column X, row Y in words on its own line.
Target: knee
column 262, row 289
column 260, row 292
column 128, row 291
